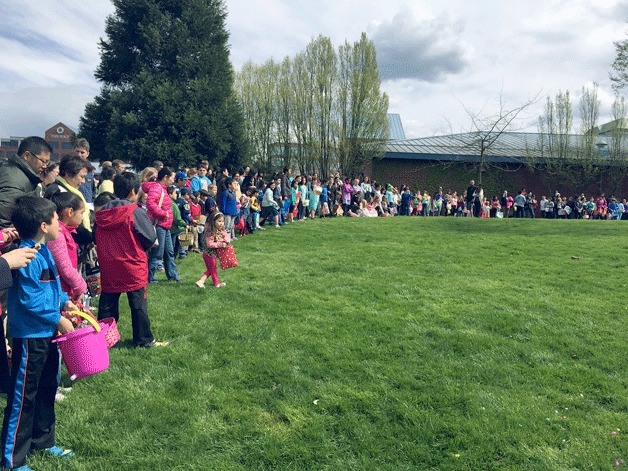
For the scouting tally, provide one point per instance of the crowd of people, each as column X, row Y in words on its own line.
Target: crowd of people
column 252, row 201
column 58, row 219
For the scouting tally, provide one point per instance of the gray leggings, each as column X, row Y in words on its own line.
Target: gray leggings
column 229, row 220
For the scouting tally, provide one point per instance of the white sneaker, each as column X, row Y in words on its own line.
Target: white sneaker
column 59, row 397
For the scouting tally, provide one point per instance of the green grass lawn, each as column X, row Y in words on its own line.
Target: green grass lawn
column 402, row 343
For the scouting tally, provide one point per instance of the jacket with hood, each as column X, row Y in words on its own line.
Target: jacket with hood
column 160, row 214
column 36, row 298
column 65, row 253
column 124, row 233
column 17, row 178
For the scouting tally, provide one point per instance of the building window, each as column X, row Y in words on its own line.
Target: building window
column 66, row 145
column 54, row 144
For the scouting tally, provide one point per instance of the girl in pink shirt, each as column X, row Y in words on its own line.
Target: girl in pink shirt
column 215, row 237
column 70, row 209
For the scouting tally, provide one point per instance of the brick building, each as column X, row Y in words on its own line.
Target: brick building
column 59, row 136
column 513, row 160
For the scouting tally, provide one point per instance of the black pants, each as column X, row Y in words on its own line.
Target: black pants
column 5, row 374
column 108, row 307
column 29, row 417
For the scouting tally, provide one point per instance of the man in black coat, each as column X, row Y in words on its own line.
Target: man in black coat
column 20, row 174
column 469, row 196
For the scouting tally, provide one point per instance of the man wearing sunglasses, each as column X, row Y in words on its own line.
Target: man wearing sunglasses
column 21, row 174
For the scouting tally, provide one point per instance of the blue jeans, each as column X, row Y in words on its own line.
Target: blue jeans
column 285, row 209
column 164, row 251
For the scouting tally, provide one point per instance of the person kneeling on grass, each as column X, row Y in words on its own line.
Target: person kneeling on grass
column 35, row 302
column 123, row 235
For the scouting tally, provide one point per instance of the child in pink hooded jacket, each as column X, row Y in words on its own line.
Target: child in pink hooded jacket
column 159, row 211
column 64, row 249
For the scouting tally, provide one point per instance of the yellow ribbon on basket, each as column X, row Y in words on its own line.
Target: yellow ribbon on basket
column 88, row 318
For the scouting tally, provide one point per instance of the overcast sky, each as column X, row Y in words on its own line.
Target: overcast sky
column 435, row 57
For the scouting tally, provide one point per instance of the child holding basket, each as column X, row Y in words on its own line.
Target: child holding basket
column 217, row 245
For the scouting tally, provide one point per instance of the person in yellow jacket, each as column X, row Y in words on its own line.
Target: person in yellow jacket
column 72, row 172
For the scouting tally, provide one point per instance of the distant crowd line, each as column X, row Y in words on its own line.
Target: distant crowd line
column 250, row 201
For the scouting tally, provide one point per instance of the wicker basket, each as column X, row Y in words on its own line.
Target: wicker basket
column 112, row 334
column 186, row 238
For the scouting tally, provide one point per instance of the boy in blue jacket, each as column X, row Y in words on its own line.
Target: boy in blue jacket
column 35, row 302
column 229, row 206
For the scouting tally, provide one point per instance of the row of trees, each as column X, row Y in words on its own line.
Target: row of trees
column 578, row 156
column 169, row 92
column 321, row 110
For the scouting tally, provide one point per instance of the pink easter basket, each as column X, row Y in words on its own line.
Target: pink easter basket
column 85, row 350
column 112, row 334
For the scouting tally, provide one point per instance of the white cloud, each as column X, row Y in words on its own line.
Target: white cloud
column 436, row 54
column 426, row 50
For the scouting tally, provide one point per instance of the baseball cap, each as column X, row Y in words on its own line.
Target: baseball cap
column 180, row 176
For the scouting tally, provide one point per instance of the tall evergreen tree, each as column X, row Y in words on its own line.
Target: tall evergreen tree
column 167, row 85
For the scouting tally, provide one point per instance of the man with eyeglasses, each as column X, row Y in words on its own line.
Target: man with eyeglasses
column 20, row 174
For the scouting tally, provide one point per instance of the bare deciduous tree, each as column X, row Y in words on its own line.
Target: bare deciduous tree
column 487, row 128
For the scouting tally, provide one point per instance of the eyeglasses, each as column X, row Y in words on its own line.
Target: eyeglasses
column 43, row 161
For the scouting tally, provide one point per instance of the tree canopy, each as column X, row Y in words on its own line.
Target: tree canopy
column 167, row 88
column 321, row 110
column 620, row 66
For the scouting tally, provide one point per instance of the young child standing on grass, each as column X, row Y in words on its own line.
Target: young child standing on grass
column 35, row 302
column 255, row 208
column 124, row 233
column 64, row 249
column 215, row 237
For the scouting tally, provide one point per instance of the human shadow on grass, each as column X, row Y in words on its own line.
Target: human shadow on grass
column 129, row 345
column 124, row 345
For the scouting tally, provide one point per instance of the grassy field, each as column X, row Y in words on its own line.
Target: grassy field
column 405, row 343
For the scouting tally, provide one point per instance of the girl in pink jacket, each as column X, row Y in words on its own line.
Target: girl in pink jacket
column 70, row 209
column 158, row 207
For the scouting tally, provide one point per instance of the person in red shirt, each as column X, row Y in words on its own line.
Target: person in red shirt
column 124, row 233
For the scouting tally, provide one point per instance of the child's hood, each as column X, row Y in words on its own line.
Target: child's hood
column 147, row 186
column 114, row 214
